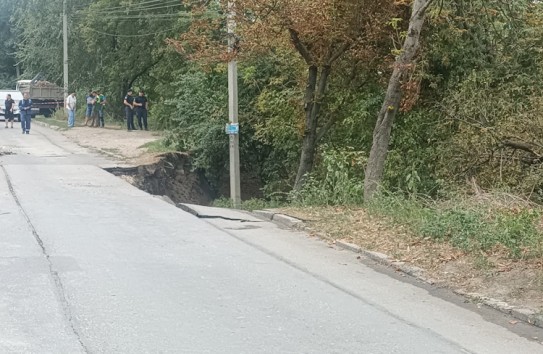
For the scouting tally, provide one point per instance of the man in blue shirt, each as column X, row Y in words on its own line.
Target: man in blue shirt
column 25, row 107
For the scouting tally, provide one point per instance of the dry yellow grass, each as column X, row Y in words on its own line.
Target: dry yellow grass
column 491, row 274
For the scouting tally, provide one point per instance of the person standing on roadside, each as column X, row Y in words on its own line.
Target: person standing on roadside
column 141, row 110
column 25, row 107
column 129, row 110
column 100, row 104
column 95, row 120
column 8, row 103
column 71, row 102
column 90, row 105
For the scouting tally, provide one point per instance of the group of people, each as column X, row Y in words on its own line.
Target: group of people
column 25, row 107
column 96, row 102
column 94, row 114
column 136, row 105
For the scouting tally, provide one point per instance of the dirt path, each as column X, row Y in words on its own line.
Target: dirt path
column 127, row 147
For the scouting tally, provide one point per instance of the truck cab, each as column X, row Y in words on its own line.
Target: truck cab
column 17, row 96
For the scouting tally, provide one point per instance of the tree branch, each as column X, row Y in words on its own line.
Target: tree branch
column 300, row 47
column 345, row 47
column 145, row 69
column 423, row 8
column 520, row 146
column 335, row 117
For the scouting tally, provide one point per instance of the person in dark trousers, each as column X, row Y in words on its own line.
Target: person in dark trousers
column 141, row 110
column 91, row 101
column 129, row 110
column 25, row 106
column 101, row 103
column 95, row 112
column 8, row 103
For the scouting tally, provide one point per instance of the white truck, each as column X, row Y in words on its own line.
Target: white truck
column 16, row 96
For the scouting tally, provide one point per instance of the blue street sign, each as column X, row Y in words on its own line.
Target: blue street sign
column 232, row 129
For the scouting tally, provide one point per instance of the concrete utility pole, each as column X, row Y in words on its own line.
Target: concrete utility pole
column 235, row 187
column 65, row 45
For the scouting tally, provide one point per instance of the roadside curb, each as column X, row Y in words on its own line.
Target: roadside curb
column 523, row 314
column 187, row 208
column 281, row 219
column 54, row 127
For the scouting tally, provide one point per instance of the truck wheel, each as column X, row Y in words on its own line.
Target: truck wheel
column 46, row 112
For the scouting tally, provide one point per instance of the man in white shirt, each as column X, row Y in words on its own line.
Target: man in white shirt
column 70, row 106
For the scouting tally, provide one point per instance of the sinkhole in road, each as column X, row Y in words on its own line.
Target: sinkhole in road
column 172, row 176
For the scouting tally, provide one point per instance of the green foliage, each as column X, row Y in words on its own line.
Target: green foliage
column 38, row 25
column 482, row 87
column 7, row 46
column 196, row 111
column 336, row 181
column 412, row 159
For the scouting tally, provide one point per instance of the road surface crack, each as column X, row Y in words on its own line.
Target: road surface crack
column 59, row 287
column 192, row 211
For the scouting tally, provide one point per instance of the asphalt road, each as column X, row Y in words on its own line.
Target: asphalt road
column 90, row 264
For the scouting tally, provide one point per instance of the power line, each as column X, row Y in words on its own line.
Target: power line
column 167, row 16
column 131, row 35
column 144, row 3
column 137, row 17
column 127, row 10
column 140, row 9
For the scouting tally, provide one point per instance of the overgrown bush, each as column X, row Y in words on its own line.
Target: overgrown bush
column 336, row 181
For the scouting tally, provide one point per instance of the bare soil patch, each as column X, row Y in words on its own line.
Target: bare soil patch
column 115, row 142
column 517, row 282
column 165, row 174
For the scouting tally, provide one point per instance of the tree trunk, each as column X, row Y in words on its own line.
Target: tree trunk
column 314, row 94
column 391, row 104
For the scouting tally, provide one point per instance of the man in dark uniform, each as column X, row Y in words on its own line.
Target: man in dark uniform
column 25, row 110
column 141, row 110
column 9, row 102
column 129, row 110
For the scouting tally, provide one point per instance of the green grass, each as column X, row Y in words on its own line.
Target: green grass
column 157, row 146
column 473, row 227
column 61, row 124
